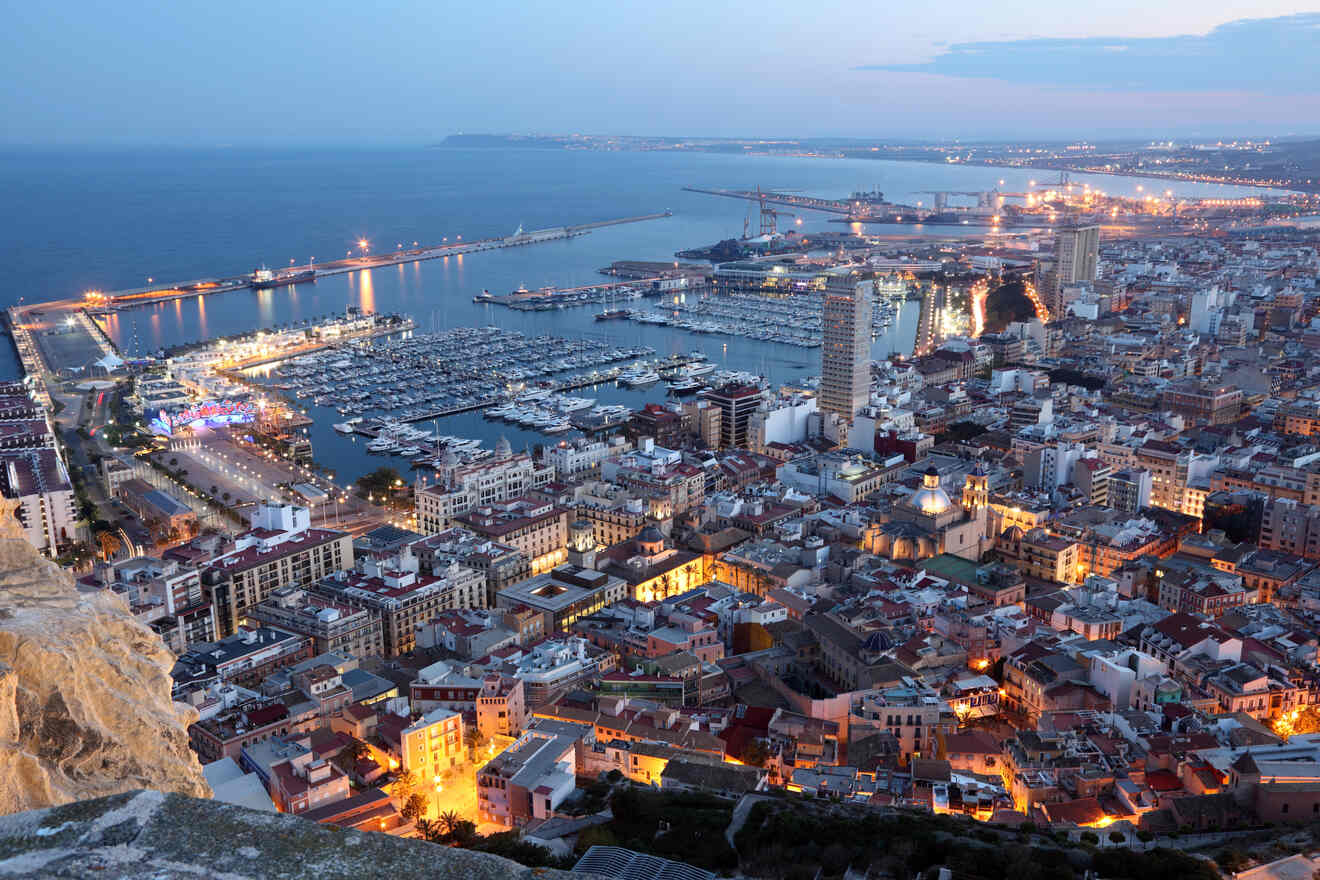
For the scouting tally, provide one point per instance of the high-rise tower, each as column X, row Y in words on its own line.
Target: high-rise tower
column 1076, row 255
column 845, row 354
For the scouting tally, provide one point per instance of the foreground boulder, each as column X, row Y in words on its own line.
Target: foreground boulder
column 85, row 708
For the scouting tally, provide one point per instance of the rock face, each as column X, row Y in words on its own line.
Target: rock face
column 153, row 836
column 85, row 708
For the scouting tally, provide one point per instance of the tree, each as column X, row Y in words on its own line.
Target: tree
column 1117, row 836
column 596, row 835
column 1232, row 860
column 429, row 830
column 1090, row 837
column 755, row 753
column 415, row 806
column 109, row 544
column 464, row 833
column 405, row 782
column 1303, row 720
column 473, row 738
column 380, row 482
column 448, row 820
column 355, row 751
column 961, row 432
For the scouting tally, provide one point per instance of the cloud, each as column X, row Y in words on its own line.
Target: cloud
column 1267, row 55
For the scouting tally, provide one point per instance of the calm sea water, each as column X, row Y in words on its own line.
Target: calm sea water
column 84, row 220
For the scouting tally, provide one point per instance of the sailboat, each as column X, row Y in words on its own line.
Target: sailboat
column 611, row 313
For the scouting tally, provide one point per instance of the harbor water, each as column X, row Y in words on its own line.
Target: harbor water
column 112, row 220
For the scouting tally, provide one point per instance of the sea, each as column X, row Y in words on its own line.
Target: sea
column 109, row 220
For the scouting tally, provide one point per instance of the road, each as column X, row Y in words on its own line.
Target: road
column 258, row 471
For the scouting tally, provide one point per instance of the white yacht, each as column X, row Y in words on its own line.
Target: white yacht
column 643, row 376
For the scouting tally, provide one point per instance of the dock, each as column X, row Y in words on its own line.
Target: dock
column 547, row 298
column 100, row 302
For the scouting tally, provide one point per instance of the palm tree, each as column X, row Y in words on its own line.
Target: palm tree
column 449, row 821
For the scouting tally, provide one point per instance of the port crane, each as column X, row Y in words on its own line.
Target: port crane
column 769, row 216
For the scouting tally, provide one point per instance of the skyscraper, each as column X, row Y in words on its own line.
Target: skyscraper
column 845, row 355
column 1076, row 253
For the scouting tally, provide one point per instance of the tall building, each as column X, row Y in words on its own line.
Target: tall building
column 736, row 403
column 845, row 383
column 1076, row 255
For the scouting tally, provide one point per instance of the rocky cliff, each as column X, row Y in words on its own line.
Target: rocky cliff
column 85, row 708
column 152, row 836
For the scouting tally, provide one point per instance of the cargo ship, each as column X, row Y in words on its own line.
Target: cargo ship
column 612, row 315
column 264, row 279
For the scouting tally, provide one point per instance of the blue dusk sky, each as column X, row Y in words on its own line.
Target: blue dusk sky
column 411, row 71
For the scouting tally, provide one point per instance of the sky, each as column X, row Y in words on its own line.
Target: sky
column 186, row 72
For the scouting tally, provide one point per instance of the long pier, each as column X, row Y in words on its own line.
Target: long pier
column 113, row 301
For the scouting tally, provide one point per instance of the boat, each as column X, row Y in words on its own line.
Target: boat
column 382, row 444
column 634, row 378
column 684, row 386
column 410, row 451
column 699, row 369
column 484, row 297
column 344, row 427
column 612, row 315
column 264, row 279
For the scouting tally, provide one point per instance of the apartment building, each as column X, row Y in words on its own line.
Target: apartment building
column 332, row 626
column 538, row 529
column 402, row 597
column 280, row 550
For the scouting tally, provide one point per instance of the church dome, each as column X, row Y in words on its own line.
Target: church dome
column 931, row 497
column 650, row 535
column 877, row 642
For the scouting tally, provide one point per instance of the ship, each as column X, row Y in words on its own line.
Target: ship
column 484, row 297
column 264, row 279
column 612, row 315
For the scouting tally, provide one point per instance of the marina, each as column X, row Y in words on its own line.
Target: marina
column 386, row 391
column 794, row 319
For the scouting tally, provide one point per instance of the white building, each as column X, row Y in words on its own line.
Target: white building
column 1113, row 675
column 463, row 487
column 572, row 457
column 47, row 510
column 780, row 420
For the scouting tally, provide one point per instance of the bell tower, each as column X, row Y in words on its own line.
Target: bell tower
column 976, row 490
column 582, row 543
